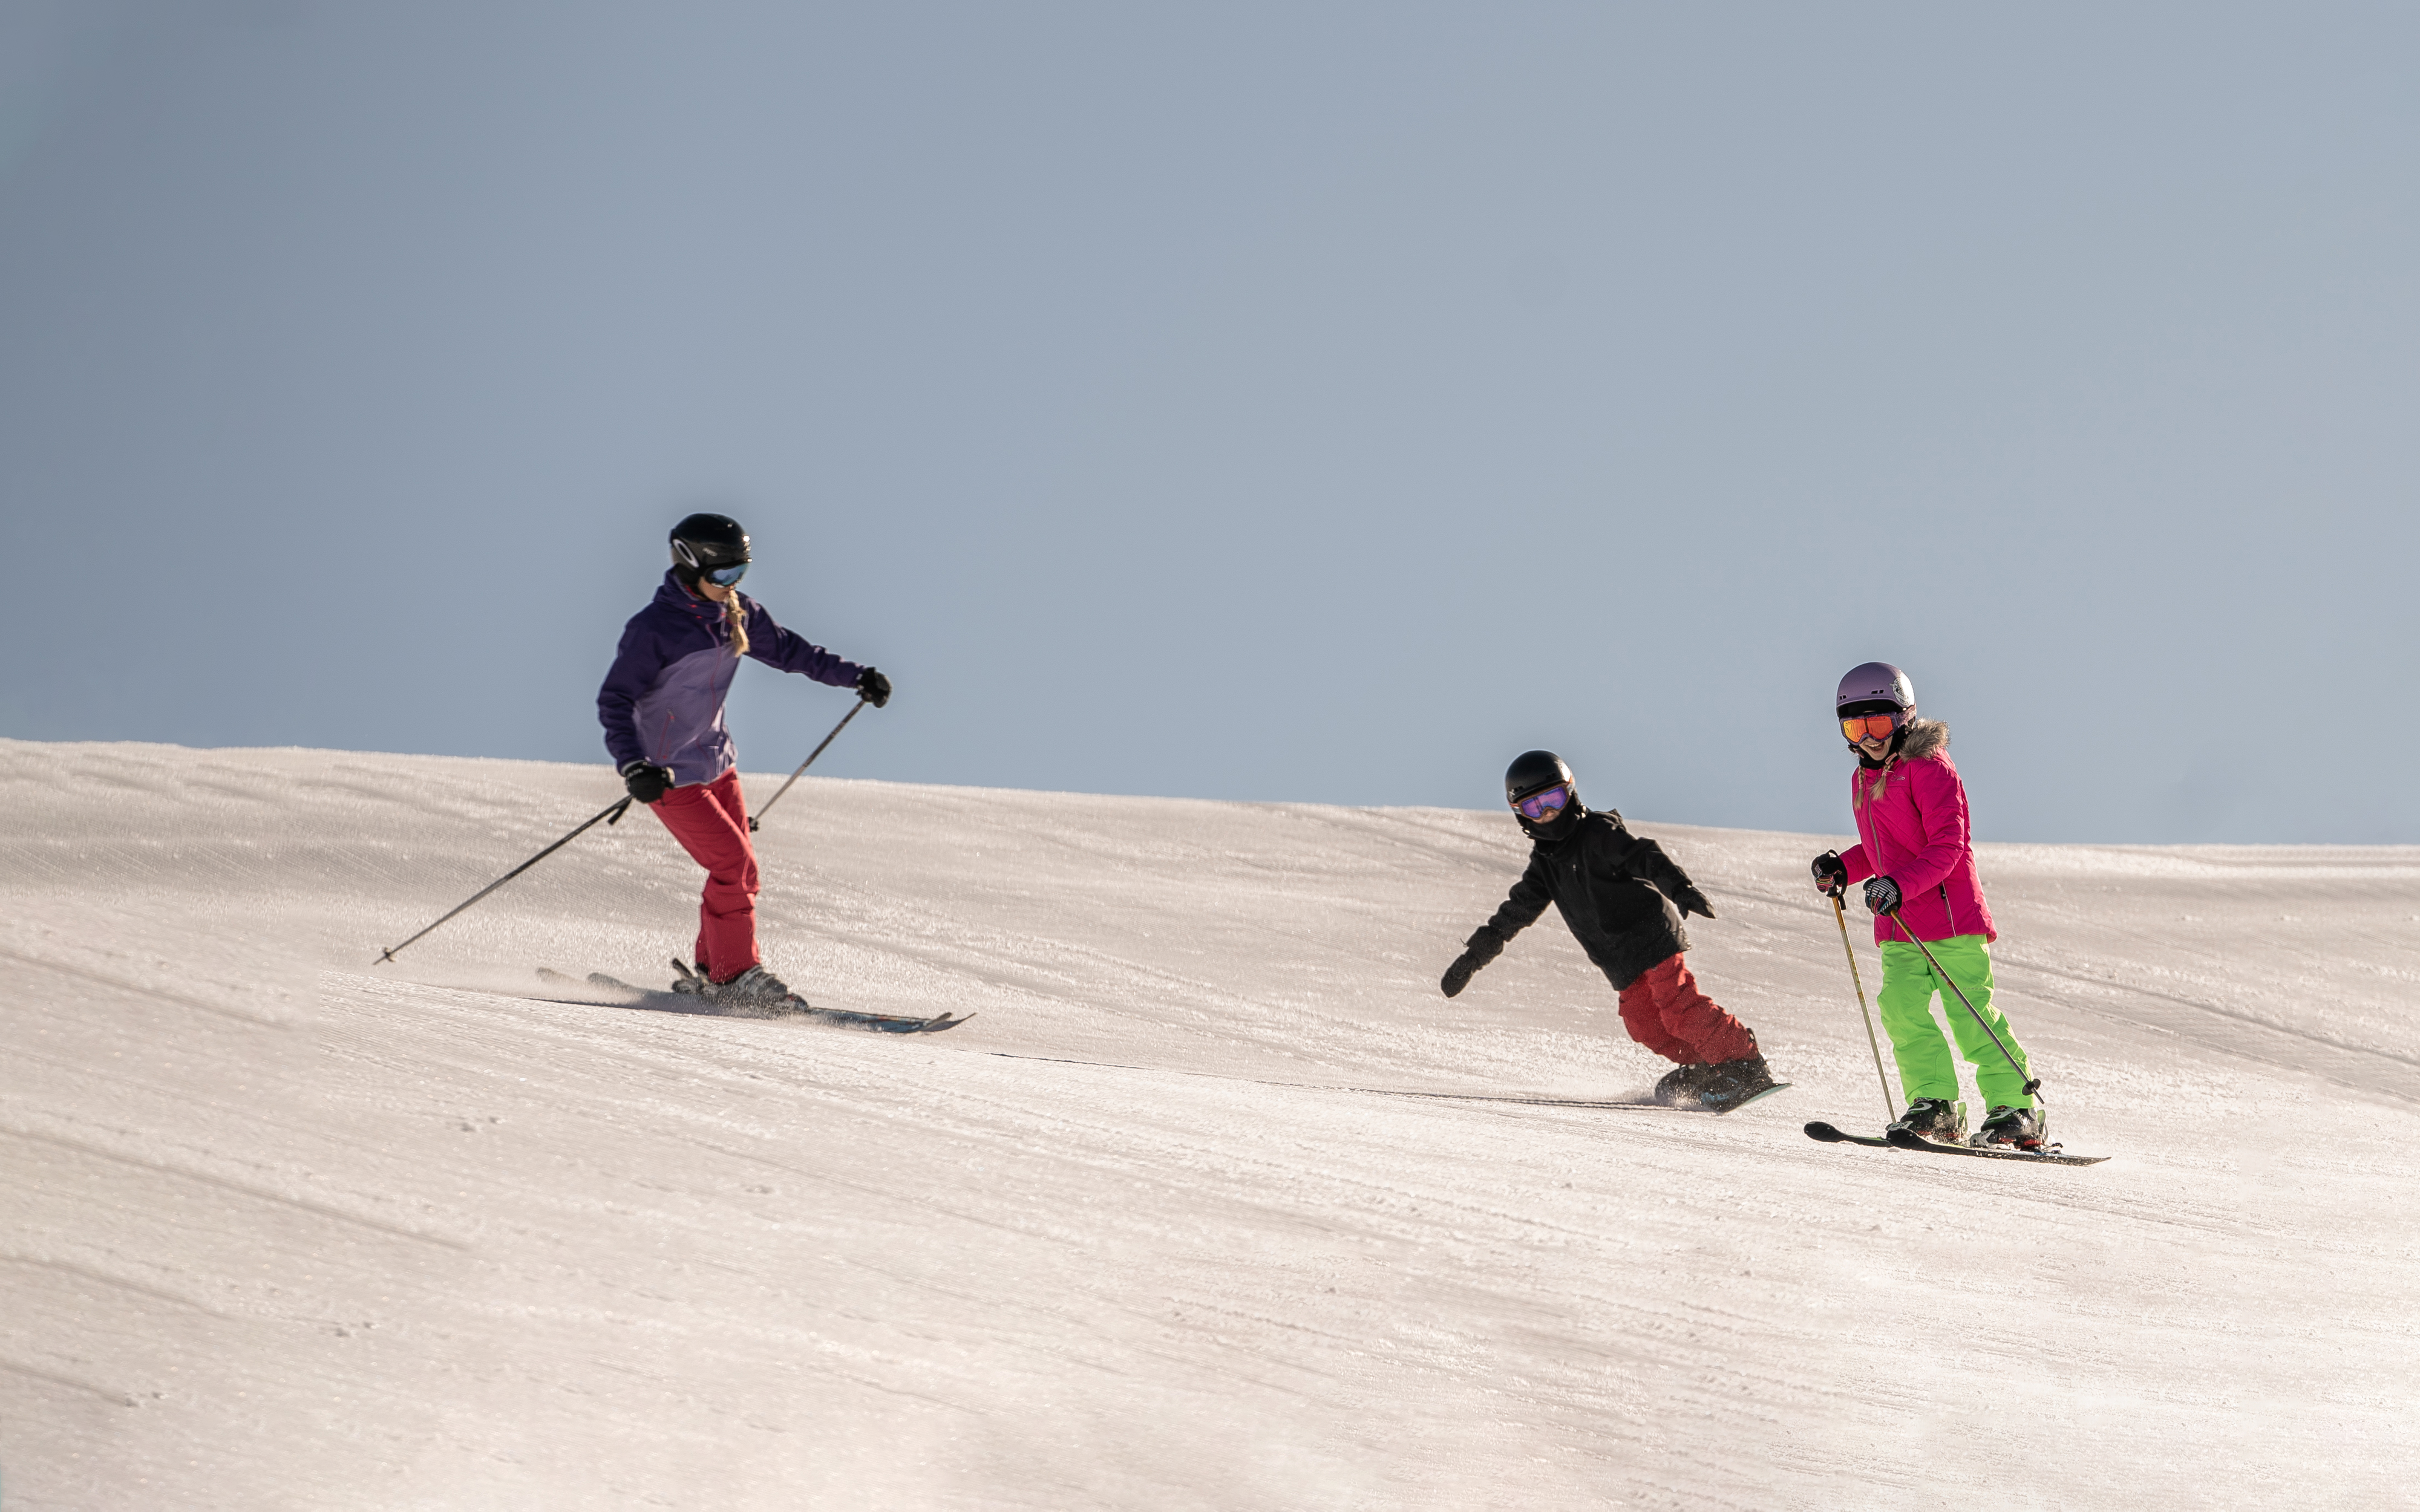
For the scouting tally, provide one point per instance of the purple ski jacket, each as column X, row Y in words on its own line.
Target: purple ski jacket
column 1911, row 828
column 662, row 700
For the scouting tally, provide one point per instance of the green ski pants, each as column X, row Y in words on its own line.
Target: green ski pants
column 1925, row 1069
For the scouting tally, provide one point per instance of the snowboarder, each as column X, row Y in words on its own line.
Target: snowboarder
column 1624, row 900
column 662, row 706
column 1916, row 857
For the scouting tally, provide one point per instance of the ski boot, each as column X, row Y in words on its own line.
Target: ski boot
column 755, row 991
column 1936, row 1119
column 1734, row 1081
column 2015, row 1128
column 1680, row 1084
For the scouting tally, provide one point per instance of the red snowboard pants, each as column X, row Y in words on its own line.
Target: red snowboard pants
column 710, row 820
column 1664, row 1010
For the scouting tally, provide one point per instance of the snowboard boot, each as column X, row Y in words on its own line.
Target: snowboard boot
column 1936, row 1119
column 687, row 982
column 1680, row 1084
column 1734, row 1081
column 755, row 990
column 2015, row 1128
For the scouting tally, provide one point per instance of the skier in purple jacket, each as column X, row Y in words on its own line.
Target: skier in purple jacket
column 662, row 706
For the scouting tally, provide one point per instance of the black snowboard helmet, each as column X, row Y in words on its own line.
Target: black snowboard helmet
column 711, row 547
column 1534, row 771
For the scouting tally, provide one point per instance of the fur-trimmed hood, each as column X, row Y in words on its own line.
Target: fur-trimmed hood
column 1922, row 738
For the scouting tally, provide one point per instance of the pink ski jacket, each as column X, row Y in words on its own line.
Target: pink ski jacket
column 1911, row 828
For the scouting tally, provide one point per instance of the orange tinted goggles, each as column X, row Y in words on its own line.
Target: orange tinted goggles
column 1869, row 726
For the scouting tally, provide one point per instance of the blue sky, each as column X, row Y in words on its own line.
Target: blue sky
column 1242, row 401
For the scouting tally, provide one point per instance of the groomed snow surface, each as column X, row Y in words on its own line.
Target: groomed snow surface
column 284, row 1230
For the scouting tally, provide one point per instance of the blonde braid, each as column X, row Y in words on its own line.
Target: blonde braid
column 736, row 616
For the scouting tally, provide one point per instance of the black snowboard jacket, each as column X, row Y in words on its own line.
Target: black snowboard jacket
column 1622, row 897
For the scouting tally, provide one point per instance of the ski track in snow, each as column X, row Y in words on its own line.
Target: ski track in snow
column 287, row 1229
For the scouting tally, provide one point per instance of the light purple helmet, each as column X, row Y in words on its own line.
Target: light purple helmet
column 1876, row 682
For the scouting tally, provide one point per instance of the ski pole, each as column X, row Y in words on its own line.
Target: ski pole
column 612, row 814
column 2033, row 1086
column 809, row 762
column 1890, row 1109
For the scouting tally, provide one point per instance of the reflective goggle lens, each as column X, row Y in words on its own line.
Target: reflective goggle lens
column 1877, row 726
column 1539, row 805
column 725, row 576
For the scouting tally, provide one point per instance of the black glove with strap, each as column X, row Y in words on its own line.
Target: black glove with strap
column 1831, row 873
column 1485, row 945
column 647, row 782
column 1882, row 895
column 873, row 688
column 1693, row 901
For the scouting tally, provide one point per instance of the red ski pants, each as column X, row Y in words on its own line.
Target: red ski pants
column 1664, row 1010
column 710, row 820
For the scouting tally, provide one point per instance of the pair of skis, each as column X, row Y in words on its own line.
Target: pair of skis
column 1904, row 1139
column 798, row 1007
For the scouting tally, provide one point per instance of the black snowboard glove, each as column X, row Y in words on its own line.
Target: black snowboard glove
column 1485, row 946
column 1831, row 872
column 1693, row 901
column 1882, row 895
column 873, row 688
column 647, row 782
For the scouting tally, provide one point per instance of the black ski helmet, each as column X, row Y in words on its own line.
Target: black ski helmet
column 1878, row 687
column 708, row 543
column 1534, row 771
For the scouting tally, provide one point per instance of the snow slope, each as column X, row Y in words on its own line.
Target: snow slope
column 286, row 1229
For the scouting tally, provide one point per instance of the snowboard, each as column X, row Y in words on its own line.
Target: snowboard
column 1584, row 1103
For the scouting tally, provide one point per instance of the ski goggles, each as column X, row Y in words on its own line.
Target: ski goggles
column 1544, row 804
column 1871, row 727
column 724, row 577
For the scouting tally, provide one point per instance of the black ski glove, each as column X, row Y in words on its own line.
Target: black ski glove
column 1485, row 946
column 874, row 687
column 1693, row 901
column 1831, row 872
column 1882, row 895
column 647, row 782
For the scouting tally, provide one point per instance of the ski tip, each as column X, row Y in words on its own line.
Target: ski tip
column 946, row 1022
column 1825, row 1133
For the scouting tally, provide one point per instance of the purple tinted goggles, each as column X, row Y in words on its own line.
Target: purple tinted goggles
column 1540, row 805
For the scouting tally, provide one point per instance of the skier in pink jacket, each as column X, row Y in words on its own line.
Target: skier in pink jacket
column 1915, row 855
